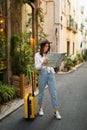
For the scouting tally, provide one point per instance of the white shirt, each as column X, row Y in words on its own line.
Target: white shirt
column 38, row 63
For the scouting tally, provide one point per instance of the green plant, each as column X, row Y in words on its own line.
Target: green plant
column 21, row 55
column 68, row 63
column 7, row 93
column 85, row 55
column 2, row 64
column 41, row 22
column 80, row 57
column 2, row 46
column 41, row 33
column 30, row 69
column 75, row 60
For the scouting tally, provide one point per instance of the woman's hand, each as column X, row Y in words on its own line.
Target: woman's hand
column 45, row 61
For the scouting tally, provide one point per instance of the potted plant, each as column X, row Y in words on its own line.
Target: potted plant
column 68, row 64
column 21, row 56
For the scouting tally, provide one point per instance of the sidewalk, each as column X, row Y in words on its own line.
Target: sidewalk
column 73, row 69
column 11, row 106
column 15, row 104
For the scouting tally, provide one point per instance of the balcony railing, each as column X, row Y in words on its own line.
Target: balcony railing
column 82, row 27
column 75, row 27
column 69, row 22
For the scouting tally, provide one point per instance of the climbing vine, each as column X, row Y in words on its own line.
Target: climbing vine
column 40, row 13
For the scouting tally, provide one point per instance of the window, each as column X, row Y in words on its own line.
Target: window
column 68, row 8
column 63, row 3
column 73, row 47
column 68, row 47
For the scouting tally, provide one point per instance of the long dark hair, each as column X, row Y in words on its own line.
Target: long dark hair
column 42, row 45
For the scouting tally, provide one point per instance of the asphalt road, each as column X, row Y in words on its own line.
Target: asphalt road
column 72, row 98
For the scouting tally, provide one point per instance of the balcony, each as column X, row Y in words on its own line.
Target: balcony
column 86, row 32
column 75, row 27
column 69, row 22
column 82, row 27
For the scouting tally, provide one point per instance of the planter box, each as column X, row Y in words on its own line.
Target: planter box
column 19, row 84
column 16, row 84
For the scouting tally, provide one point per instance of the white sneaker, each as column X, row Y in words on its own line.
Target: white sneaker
column 41, row 113
column 57, row 115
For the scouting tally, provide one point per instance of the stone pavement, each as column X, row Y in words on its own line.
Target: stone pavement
column 15, row 104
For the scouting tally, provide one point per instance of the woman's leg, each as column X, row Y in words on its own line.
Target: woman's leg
column 42, row 80
column 52, row 91
column 53, row 94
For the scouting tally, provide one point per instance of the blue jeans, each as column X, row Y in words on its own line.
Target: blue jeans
column 47, row 78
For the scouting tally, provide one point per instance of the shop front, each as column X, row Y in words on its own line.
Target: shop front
column 16, row 16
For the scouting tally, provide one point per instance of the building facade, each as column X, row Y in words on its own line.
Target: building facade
column 64, row 25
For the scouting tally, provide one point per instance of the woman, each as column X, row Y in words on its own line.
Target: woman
column 46, row 77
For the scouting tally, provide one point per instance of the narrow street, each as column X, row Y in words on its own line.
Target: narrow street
column 72, row 98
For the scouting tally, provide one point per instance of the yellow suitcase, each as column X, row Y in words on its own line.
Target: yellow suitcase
column 29, row 104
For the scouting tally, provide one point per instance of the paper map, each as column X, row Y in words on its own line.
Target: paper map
column 55, row 59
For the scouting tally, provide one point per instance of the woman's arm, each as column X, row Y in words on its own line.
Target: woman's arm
column 40, row 61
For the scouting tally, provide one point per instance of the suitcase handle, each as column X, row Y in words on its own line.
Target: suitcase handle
column 33, row 84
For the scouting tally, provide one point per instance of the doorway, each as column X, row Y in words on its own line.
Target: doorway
column 68, row 48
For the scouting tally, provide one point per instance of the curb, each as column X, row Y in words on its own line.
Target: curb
column 73, row 69
column 11, row 107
